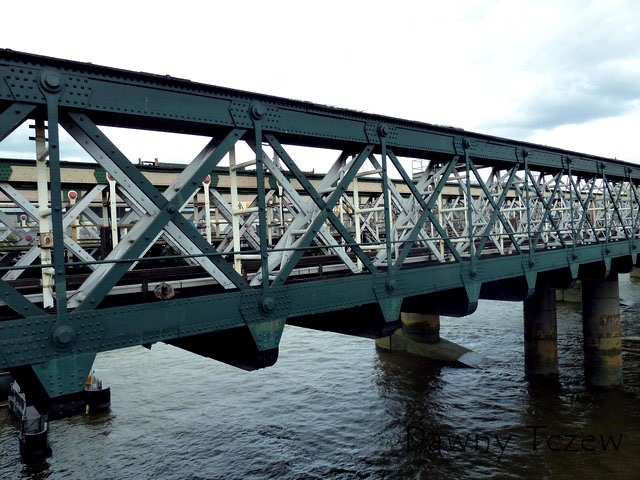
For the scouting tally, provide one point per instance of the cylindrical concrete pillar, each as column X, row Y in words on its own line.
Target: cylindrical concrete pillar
column 541, row 334
column 602, row 333
column 421, row 327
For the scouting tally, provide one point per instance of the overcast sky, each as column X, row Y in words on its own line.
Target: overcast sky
column 562, row 73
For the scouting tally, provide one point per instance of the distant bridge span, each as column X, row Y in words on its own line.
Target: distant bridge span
column 219, row 271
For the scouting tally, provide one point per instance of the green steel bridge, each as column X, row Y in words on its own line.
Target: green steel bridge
column 215, row 256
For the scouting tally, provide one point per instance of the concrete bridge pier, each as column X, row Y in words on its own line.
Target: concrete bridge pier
column 421, row 327
column 420, row 335
column 541, row 334
column 602, row 333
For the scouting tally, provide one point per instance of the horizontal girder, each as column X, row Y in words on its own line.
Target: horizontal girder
column 140, row 100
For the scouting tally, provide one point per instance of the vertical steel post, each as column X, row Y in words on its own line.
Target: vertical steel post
column 469, row 209
column 605, row 208
column 217, row 220
column 634, row 217
column 104, row 229
column 356, row 215
column 195, row 213
column 387, row 206
column 282, row 227
column 235, row 206
column 113, row 210
column 528, row 205
column 342, row 209
column 270, row 208
column 262, row 210
column 498, row 225
column 44, row 214
column 574, row 233
column 52, row 83
column 441, row 221
column 207, row 207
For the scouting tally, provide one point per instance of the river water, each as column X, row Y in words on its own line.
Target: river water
column 335, row 408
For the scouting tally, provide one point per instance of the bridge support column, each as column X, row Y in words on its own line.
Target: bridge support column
column 602, row 333
column 541, row 334
column 421, row 327
column 420, row 336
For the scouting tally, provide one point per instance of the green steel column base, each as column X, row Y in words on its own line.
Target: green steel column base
column 267, row 333
column 61, row 377
column 64, row 375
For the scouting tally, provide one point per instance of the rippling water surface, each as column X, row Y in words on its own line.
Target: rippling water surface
column 335, row 408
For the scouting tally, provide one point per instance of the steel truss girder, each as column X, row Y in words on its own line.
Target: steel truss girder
column 325, row 208
column 159, row 211
column 13, row 116
column 247, row 231
column 417, row 201
column 11, row 227
column 307, row 211
column 426, row 213
column 519, row 209
column 69, row 216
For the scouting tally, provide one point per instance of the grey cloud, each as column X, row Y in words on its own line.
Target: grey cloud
column 593, row 33
column 17, row 145
column 576, row 99
column 592, row 67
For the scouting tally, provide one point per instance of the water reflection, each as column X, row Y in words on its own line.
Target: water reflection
column 493, row 423
column 335, row 408
column 37, row 471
